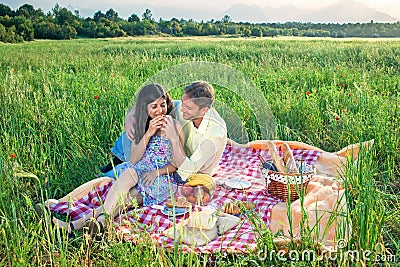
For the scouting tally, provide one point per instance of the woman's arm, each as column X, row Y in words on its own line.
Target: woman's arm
column 149, row 177
column 137, row 150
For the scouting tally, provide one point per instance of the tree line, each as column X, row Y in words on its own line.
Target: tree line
column 27, row 23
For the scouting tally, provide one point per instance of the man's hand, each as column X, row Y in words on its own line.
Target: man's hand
column 169, row 129
column 149, row 178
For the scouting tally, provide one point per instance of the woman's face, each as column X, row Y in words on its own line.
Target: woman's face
column 157, row 108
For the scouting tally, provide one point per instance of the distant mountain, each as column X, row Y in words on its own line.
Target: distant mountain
column 350, row 11
column 245, row 13
column 165, row 13
column 284, row 13
column 343, row 11
column 168, row 13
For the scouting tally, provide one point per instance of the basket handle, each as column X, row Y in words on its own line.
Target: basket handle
column 261, row 158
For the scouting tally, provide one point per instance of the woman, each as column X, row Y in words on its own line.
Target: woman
column 149, row 171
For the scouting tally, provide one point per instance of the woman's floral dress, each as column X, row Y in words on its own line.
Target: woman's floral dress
column 158, row 154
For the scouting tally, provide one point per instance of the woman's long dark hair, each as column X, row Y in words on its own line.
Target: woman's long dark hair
column 147, row 95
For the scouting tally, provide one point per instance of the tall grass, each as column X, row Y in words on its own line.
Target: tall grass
column 62, row 105
column 365, row 203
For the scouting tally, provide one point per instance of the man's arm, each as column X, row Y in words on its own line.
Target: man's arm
column 174, row 133
column 149, row 177
column 201, row 159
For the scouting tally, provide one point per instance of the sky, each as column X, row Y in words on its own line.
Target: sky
column 390, row 7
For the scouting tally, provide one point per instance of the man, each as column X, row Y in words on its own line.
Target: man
column 204, row 130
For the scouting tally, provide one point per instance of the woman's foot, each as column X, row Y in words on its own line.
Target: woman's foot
column 94, row 227
column 68, row 227
column 42, row 210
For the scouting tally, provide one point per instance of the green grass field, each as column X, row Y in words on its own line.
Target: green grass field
column 62, row 105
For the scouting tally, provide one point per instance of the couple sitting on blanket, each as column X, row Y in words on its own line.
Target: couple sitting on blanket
column 163, row 145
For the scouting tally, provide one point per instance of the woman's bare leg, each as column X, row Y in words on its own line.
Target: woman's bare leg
column 118, row 192
column 115, row 198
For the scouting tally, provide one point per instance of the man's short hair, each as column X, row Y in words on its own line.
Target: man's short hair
column 201, row 93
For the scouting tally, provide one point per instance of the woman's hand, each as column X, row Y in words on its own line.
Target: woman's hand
column 155, row 124
column 149, row 178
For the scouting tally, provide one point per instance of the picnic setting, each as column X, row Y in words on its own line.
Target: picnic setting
column 220, row 223
column 199, row 151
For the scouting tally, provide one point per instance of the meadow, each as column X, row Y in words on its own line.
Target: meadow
column 62, row 105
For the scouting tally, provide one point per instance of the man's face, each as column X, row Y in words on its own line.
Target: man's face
column 190, row 110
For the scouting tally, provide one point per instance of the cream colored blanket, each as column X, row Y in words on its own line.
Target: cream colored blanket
column 324, row 203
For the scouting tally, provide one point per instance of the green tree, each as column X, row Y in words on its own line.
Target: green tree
column 67, row 32
column 5, row 10
column 191, row 28
column 64, row 16
column 271, row 32
column 209, row 29
column 132, row 28
column 175, row 27
column 3, row 33
column 11, row 36
column 98, row 16
column 295, row 32
column 231, row 29
column 256, row 31
column 47, row 30
column 26, row 10
column 89, row 28
column 246, row 32
column 147, row 15
column 133, row 18
column 226, row 19
column 24, row 27
column 164, row 26
column 138, row 28
column 6, row 21
column 148, row 26
column 112, row 15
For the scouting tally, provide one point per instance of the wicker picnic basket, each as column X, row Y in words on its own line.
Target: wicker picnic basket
column 282, row 185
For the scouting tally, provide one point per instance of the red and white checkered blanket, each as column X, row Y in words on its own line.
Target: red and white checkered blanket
column 236, row 161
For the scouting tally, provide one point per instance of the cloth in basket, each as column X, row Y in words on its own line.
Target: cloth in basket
column 287, row 186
